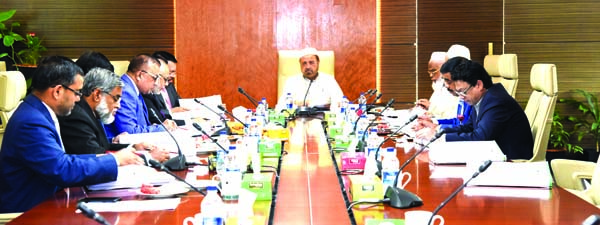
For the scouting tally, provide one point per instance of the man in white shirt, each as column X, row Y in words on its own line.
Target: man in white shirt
column 313, row 88
column 442, row 103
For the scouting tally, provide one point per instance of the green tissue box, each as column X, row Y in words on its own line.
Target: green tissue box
column 260, row 185
column 276, row 117
column 335, row 131
column 384, row 221
column 341, row 143
column 269, row 148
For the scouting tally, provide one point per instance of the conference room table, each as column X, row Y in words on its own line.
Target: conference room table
column 310, row 190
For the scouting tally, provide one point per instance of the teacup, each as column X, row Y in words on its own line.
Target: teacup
column 421, row 217
column 401, row 182
column 195, row 220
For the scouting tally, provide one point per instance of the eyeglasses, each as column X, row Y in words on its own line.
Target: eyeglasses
column 154, row 76
column 116, row 98
column 463, row 93
column 430, row 72
column 79, row 94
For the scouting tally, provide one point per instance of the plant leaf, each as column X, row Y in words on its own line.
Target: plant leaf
column 6, row 15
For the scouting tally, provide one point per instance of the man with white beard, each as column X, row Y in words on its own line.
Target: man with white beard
column 82, row 131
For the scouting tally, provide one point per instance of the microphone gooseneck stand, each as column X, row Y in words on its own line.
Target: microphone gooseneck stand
column 176, row 163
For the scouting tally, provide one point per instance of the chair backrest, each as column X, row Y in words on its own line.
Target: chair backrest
column 120, row 66
column 503, row 69
column 544, row 76
column 12, row 91
column 594, row 190
column 533, row 103
column 289, row 65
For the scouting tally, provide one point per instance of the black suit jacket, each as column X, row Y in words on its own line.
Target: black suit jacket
column 500, row 118
column 83, row 133
column 173, row 96
column 156, row 103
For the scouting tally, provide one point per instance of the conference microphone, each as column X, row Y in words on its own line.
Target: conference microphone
column 410, row 120
column 362, row 138
column 375, row 100
column 89, row 213
column 222, row 119
column 482, row 168
column 176, row 163
column 198, row 127
column 364, row 93
column 400, row 198
column 254, row 102
column 155, row 164
column 592, row 220
column 231, row 114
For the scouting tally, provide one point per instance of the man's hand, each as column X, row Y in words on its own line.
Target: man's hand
column 179, row 109
column 170, row 125
column 127, row 157
column 160, row 154
column 424, row 121
column 426, row 133
column 423, row 103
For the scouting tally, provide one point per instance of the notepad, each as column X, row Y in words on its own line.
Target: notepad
column 132, row 176
column 509, row 174
column 461, row 152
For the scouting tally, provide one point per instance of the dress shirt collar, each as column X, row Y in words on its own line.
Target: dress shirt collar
column 137, row 91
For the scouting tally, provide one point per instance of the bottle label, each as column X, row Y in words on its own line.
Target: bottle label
column 388, row 177
column 212, row 220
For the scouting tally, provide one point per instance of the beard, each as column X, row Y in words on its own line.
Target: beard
column 105, row 114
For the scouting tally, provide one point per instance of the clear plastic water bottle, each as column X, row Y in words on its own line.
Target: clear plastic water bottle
column 253, row 127
column 211, row 207
column 231, row 180
column 390, row 167
column 361, row 126
column 266, row 109
column 373, row 141
column 223, row 140
column 344, row 105
column 289, row 101
column 247, row 118
column 362, row 103
column 260, row 113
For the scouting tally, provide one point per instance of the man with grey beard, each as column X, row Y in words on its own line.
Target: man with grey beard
column 82, row 131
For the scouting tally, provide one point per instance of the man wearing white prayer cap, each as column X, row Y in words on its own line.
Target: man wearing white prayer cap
column 311, row 88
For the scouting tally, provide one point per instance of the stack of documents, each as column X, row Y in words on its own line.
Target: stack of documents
column 507, row 174
column 461, row 152
column 133, row 176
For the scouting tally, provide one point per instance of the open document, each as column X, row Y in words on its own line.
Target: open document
column 461, row 152
column 509, row 174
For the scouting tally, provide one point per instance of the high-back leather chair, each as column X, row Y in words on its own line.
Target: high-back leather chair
column 120, row 66
column 289, row 65
column 570, row 175
column 544, row 77
column 503, row 69
column 12, row 91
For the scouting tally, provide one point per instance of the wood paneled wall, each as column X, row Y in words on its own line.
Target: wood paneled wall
column 223, row 45
column 407, row 43
column 561, row 32
column 118, row 28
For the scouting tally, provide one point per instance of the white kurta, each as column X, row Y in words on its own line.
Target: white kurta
column 324, row 90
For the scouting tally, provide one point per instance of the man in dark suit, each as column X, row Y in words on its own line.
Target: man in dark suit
column 33, row 163
column 82, row 131
column 495, row 115
column 169, row 91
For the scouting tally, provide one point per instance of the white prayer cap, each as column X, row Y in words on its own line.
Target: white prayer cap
column 459, row 50
column 438, row 56
column 309, row 51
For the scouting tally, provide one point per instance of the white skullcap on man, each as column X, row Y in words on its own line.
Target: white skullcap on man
column 459, row 50
column 438, row 56
column 309, row 51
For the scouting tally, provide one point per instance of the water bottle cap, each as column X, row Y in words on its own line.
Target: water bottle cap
column 223, row 132
column 248, row 110
column 344, row 97
column 373, row 129
column 253, row 119
column 211, row 188
column 264, row 98
column 231, row 147
column 390, row 149
column 363, row 116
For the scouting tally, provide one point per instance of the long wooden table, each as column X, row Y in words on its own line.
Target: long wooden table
column 309, row 192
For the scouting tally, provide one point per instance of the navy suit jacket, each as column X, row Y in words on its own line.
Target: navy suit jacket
column 33, row 165
column 132, row 116
column 156, row 103
column 500, row 118
column 83, row 133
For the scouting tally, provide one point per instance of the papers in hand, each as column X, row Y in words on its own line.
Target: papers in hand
column 508, row 174
column 132, row 176
column 461, row 152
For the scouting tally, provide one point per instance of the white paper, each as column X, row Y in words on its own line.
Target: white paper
column 197, row 110
column 134, row 205
column 461, row 152
column 532, row 174
column 133, row 176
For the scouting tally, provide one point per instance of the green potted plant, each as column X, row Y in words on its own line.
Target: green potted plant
column 33, row 51
column 588, row 123
column 560, row 138
column 8, row 36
